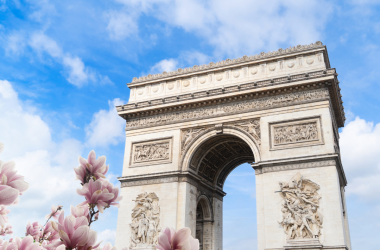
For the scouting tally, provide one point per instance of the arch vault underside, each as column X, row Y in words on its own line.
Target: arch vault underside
column 187, row 130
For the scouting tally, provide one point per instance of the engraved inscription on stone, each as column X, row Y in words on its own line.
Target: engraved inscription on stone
column 145, row 226
column 296, row 133
column 157, row 151
column 301, row 218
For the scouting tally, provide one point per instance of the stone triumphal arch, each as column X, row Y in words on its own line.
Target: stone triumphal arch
column 187, row 130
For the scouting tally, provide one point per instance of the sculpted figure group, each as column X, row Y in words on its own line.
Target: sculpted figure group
column 296, row 133
column 300, row 216
column 145, row 220
column 148, row 152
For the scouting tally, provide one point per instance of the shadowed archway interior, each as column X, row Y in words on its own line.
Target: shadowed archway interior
column 218, row 156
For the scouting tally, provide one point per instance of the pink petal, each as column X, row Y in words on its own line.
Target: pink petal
column 81, row 221
column 26, row 242
column 91, row 239
column 106, row 196
column 1, row 147
column 65, row 238
column 99, row 163
column 194, row 243
column 170, row 232
column 164, row 242
column 20, row 185
column 80, row 236
column 181, row 236
column 61, row 217
column 82, row 161
column 69, row 224
column 8, row 195
column 91, row 157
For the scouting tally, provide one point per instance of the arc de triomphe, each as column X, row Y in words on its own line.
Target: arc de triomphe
column 187, row 130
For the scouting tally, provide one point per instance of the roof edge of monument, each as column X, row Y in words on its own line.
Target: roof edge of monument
column 223, row 63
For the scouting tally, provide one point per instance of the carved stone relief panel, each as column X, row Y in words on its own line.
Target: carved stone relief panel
column 301, row 218
column 145, row 226
column 188, row 135
column 151, row 152
column 252, row 127
column 296, row 133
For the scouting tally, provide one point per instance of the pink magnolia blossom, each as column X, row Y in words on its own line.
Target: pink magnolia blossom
column 6, row 230
column 95, row 195
column 3, row 215
column 8, row 195
column 80, row 211
column 73, row 231
column 49, row 232
column 91, row 241
column 169, row 239
column 9, row 176
column 113, row 190
column 55, row 212
column 1, row 147
column 34, row 230
column 21, row 244
column 91, row 167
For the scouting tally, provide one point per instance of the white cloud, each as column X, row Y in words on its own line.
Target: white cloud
column 47, row 165
column 121, row 25
column 107, row 236
column 43, row 43
column 360, row 150
column 165, row 65
column 239, row 27
column 15, row 44
column 106, row 127
column 76, row 72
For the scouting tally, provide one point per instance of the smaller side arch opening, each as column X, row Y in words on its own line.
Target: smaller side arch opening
column 203, row 218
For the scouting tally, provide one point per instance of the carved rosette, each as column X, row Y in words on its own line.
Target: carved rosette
column 301, row 218
column 145, row 226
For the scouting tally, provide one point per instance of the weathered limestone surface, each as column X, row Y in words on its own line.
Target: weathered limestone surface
column 187, row 130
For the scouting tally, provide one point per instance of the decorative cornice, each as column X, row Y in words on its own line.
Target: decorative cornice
column 123, row 109
column 228, row 62
column 302, row 163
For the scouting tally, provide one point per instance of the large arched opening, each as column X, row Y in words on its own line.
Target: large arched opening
column 213, row 157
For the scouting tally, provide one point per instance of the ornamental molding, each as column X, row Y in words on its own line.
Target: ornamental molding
column 160, row 180
column 286, row 167
column 150, row 152
column 227, row 62
column 229, row 108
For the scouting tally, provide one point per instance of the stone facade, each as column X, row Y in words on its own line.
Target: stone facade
column 187, row 130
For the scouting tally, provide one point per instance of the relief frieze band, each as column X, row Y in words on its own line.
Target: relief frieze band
column 151, row 152
column 297, row 133
column 229, row 108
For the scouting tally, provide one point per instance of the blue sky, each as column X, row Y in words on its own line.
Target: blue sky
column 64, row 65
